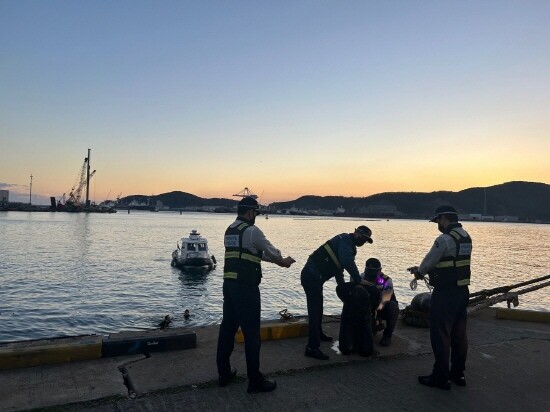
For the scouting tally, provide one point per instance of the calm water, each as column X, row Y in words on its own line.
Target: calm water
column 68, row 274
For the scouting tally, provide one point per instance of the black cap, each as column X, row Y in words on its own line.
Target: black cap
column 443, row 210
column 249, row 203
column 372, row 266
column 365, row 232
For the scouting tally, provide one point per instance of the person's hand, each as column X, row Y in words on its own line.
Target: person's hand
column 380, row 307
column 287, row 262
column 414, row 271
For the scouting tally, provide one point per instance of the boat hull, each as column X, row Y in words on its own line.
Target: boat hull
column 194, row 262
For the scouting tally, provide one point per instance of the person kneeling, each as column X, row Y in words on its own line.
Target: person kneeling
column 388, row 309
column 360, row 301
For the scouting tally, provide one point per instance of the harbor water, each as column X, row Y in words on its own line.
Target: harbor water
column 64, row 274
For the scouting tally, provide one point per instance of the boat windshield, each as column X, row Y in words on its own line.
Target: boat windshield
column 194, row 247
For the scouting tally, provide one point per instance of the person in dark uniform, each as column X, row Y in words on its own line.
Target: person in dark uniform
column 388, row 309
column 245, row 247
column 360, row 303
column 329, row 260
column 448, row 267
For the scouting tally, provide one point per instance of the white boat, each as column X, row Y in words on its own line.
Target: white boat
column 193, row 253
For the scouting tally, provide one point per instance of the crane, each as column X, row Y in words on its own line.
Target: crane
column 76, row 192
column 246, row 193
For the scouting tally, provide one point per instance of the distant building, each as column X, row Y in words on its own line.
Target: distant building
column 506, row 218
column 470, row 216
column 4, row 196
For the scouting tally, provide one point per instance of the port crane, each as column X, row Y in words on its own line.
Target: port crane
column 246, row 192
column 82, row 179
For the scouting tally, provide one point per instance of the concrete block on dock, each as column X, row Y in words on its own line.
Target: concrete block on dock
column 49, row 351
column 279, row 330
column 130, row 343
column 524, row 315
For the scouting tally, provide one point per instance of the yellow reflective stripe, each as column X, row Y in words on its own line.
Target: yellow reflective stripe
column 463, row 282
column 454, row 234
column 230, row 275
column 252, row 258
column 450, row 263
column 332, row 256
column 242, row 225
column 245, row 256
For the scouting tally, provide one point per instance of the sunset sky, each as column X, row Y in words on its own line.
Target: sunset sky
column 288, row 98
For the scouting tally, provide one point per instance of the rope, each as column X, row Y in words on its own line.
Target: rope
column 414, row 284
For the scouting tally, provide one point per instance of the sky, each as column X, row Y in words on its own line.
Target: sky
column 287, row 98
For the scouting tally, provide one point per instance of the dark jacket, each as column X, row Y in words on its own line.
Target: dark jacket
column 360, row 301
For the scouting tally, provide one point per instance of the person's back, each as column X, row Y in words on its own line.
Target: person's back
column 359, row 302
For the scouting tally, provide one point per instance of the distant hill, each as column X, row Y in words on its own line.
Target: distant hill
column 178, row 200
column 526, row 200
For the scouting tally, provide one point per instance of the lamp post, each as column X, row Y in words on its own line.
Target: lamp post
column 30, row 192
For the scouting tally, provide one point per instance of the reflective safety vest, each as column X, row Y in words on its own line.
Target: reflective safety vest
column 326, row 261
column 454, row 271
column 240, row 263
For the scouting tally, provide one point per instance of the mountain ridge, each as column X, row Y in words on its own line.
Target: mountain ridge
column 528, row 201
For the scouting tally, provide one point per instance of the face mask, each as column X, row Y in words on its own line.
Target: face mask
column 440, row 227
column 371, row 277
column 360, row 241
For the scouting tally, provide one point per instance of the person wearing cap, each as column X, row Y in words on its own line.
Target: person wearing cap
column 245, row 247
column 329, row 260
column 448, row 266
column 388, row 309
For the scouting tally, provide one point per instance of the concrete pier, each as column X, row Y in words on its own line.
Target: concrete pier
column 507, row 369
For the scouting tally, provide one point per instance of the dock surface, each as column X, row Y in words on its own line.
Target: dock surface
column 507, row 369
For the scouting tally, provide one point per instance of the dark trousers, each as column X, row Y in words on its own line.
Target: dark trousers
column 448, row 331
column 313, row 287
column 355, row 335
column 241, row 307
column 389, row 313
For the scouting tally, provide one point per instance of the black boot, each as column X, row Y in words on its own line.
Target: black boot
column 265, row 385
column 434, row 382
column 315, row 353
column 225, row 380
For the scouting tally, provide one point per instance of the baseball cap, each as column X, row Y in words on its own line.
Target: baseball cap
column 249, row 203
column 365, row 232
column 443, row 210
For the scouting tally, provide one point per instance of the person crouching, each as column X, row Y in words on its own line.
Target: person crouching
column 360, row 302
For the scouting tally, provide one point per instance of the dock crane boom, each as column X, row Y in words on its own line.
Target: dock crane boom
column 76, row 192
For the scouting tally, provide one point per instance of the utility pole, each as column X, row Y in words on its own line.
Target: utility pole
column 88, row 181
column 30, row 192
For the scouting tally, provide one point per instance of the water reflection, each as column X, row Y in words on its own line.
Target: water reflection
column 193, row 276
column 66, row 274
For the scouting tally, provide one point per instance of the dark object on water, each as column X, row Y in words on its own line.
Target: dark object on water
column 186, row 314
column 164, row 324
